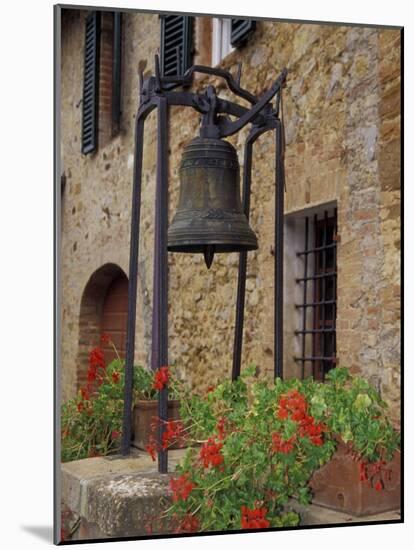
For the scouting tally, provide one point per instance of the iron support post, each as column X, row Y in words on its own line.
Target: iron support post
column 160, row 289
column 132, row 281
column 241, row 279
column 279, row 234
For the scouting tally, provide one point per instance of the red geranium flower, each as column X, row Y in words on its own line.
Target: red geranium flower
column 92, row 373
column 210, row 453
column 281, row 446
column 188, row 524
column 173, row 432
column 293, row 405
column 282, row 414
column 96, row 358
column 254, row 518
column 181, row 487
column 161, row 378
column 151, row 448
column 115, row 377
column 96, row 361
column 85, row 394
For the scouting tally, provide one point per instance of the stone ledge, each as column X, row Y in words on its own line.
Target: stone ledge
column 76, row 475
column 121, row 497
column 115, row 496
column 126, row 505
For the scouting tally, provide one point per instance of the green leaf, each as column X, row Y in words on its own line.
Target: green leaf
column 338, row 375
column 318, row 405
column 347, row 435
column 362, row 402
column 249, row 371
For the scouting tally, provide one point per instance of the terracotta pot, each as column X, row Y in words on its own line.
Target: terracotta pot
column 337, row 485
column 145, row 416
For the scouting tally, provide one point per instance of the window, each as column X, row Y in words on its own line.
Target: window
column 310, row 291
column 217, row 37
column 221, row 44
column 241, row 29
column 176, row 44
column 91, row 83
column 116, row 71
column 102, row 79
column 318, row 304
column 229, row 34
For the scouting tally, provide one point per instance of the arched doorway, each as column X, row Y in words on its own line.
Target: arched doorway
column 103, row 310
column 114, row 317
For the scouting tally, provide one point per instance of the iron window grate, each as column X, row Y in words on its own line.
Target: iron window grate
column 318, row 327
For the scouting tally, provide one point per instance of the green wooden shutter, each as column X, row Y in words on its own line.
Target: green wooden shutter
column 91, row 83
column 241, row 29
column 176, row 44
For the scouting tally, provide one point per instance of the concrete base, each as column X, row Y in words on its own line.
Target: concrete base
column 119, row 497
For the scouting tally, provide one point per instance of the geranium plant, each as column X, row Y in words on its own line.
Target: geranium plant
column 256, row 446
column 92, row 421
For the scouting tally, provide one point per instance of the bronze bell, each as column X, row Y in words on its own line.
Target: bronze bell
column 209, row 216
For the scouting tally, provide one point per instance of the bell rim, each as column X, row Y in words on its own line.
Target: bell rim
column 224, row 241
column 197, row 248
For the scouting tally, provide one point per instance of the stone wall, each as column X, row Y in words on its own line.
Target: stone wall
column 342, row 115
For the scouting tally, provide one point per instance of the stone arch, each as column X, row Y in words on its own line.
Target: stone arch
column 95, row 299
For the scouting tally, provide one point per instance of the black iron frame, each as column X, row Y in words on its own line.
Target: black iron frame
column 157, row 92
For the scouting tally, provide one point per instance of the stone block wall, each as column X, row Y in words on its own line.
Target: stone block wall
column 342, row 116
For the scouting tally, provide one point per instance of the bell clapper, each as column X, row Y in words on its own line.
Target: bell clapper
column 209, row 254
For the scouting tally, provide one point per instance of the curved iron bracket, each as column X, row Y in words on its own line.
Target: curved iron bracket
column 208, row 104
